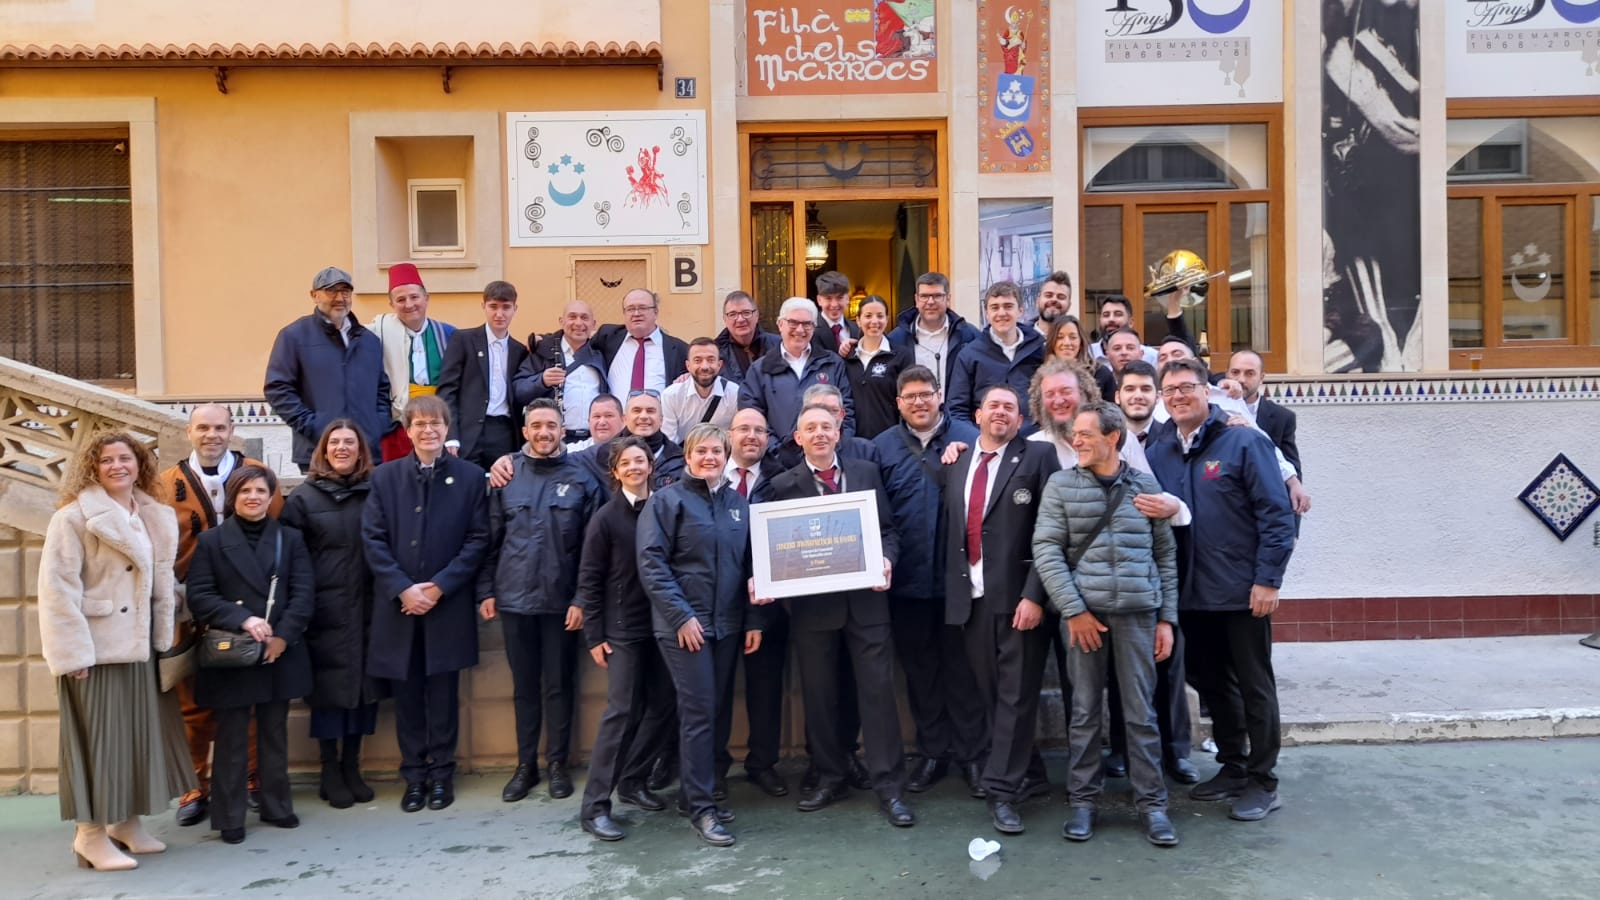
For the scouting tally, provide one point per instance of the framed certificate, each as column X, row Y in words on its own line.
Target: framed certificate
column 816, row 545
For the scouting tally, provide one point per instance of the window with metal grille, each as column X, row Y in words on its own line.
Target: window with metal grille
column 66, row 257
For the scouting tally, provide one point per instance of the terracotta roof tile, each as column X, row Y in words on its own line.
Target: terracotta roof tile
column 82, row 54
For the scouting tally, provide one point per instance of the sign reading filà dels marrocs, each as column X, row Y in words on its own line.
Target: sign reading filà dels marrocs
column 839, row 47
column 1165, row 52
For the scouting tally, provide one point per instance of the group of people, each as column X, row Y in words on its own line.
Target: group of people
column 1039, row 494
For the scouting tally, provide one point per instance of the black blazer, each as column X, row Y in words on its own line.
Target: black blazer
column 227, row 584
column 674, row 353
column 464, row 384
column 829, row 612
column 1279, row 423
column 822, row 337
column 1008, row 575
column 546, row 352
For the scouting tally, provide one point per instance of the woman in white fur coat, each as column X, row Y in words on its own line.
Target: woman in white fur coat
column 106, row 606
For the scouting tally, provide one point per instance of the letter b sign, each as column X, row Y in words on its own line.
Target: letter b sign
column 686, row 270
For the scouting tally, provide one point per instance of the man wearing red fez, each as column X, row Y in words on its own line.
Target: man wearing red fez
column 413, row 349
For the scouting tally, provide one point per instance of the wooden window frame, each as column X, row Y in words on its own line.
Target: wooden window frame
column 1579, row 349
column 1216, row 202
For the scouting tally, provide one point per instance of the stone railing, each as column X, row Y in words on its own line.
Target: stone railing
column 45, row 418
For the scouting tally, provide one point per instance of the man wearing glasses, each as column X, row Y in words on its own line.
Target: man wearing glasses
column 777, row 382
column 932, row 330
column 742, row 341
column 1231, row 562
column 325, row 365
column 638, row 354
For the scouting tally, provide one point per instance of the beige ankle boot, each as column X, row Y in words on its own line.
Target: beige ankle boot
column 94, row 850
column 132, row 837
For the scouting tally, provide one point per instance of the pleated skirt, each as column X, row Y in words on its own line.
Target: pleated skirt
column 123, row 750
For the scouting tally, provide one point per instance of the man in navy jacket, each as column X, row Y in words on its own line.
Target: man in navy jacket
column 933, row 331
column 325, row 366
column 1231, row 561
column 776, row 382
column 1004, row 354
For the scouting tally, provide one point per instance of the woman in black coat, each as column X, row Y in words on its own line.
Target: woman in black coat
column 234, row 568
column 874, row 369
column 617, row 630
column 327, row 509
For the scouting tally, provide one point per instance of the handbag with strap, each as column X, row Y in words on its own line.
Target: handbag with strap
column 221, row 648
column 176, row 664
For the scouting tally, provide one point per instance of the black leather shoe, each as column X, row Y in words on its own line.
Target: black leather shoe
column 897, row 812
column 770, row 782
column 603, row 828
column 289, row 821
column 719, row 788
column 194, row 811
column 522, row 781
column 640, row 796
column 711, row 831
column 1220, row 786
column 415, row 798
column 1116, row 765
column 857, row 774
column 1033, row 788
column 560, row 781
column 233, row 835
column 724, row 815
column 823, row 796
column 1005, row 817
column 660, row 776
column 442, row 795
column 810, row 780
column 927, row 773
column 1158, row 830
column 1183, row 772
column 972, row 774
column 1080, row 824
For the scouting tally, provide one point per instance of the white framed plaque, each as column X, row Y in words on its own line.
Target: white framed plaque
column 816, row 545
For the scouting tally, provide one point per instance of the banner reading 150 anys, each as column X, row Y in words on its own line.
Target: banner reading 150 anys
column 1171, row 52
column 839, row 47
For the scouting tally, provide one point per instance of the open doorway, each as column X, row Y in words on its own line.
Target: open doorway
column 881, row 245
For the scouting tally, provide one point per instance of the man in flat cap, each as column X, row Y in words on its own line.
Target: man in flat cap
column 325, row 365
column 413, row 349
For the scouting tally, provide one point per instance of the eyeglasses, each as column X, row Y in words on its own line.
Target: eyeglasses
column 749, row 429
column 339, row 290
column 1186, row 390
column 428, row 425
column 637, row 310
column 940, row 296
column 647, row 392
column 738, row 314
column 797, row 324
column 920, row 396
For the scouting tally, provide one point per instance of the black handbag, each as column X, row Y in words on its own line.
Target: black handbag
column 221, row 648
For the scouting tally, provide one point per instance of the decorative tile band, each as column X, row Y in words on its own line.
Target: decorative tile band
column 1434, row 389
column 245, row 412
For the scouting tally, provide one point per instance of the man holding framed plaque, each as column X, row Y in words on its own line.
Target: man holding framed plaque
column 828, row 533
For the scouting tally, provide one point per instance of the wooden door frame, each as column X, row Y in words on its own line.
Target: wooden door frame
column 938, row 195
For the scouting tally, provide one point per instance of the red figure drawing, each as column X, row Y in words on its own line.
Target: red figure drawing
column 649, row 185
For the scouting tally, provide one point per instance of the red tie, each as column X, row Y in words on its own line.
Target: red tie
column 980, row 490
column 836, row 330
column 638, row 366
column 829, row 478
column 744, row 483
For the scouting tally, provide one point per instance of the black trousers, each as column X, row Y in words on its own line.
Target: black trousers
column 1230, row 662
column 1171, row 701
column 701, row 678
column 763, row 693
column 1009, row 668
column 940, row 688
column 543, row 656
column 866, row 650
column 498, row 437
column 427, row 719
column 639, row 699
column 230, row 764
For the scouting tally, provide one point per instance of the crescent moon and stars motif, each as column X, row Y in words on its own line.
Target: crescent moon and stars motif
column 566, row 198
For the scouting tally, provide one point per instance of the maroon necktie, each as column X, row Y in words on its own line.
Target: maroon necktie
column 836, row 330
column 638, row 366
column 980, row 490
column 744, row 483
column 830, row 478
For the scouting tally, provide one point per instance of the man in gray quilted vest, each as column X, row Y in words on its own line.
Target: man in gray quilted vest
column 1111, row 572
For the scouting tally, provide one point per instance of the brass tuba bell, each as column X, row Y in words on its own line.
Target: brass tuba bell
column 1177, row 270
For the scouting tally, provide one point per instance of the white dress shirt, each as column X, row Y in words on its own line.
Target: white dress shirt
column 1010, row 350
column 976, row 571
column 932, row 348
column 498, row 406
column 797, row 363
column 682, row 407
column 655, row 366
column 419, row 353
column 752, row 475
column 581, row 387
